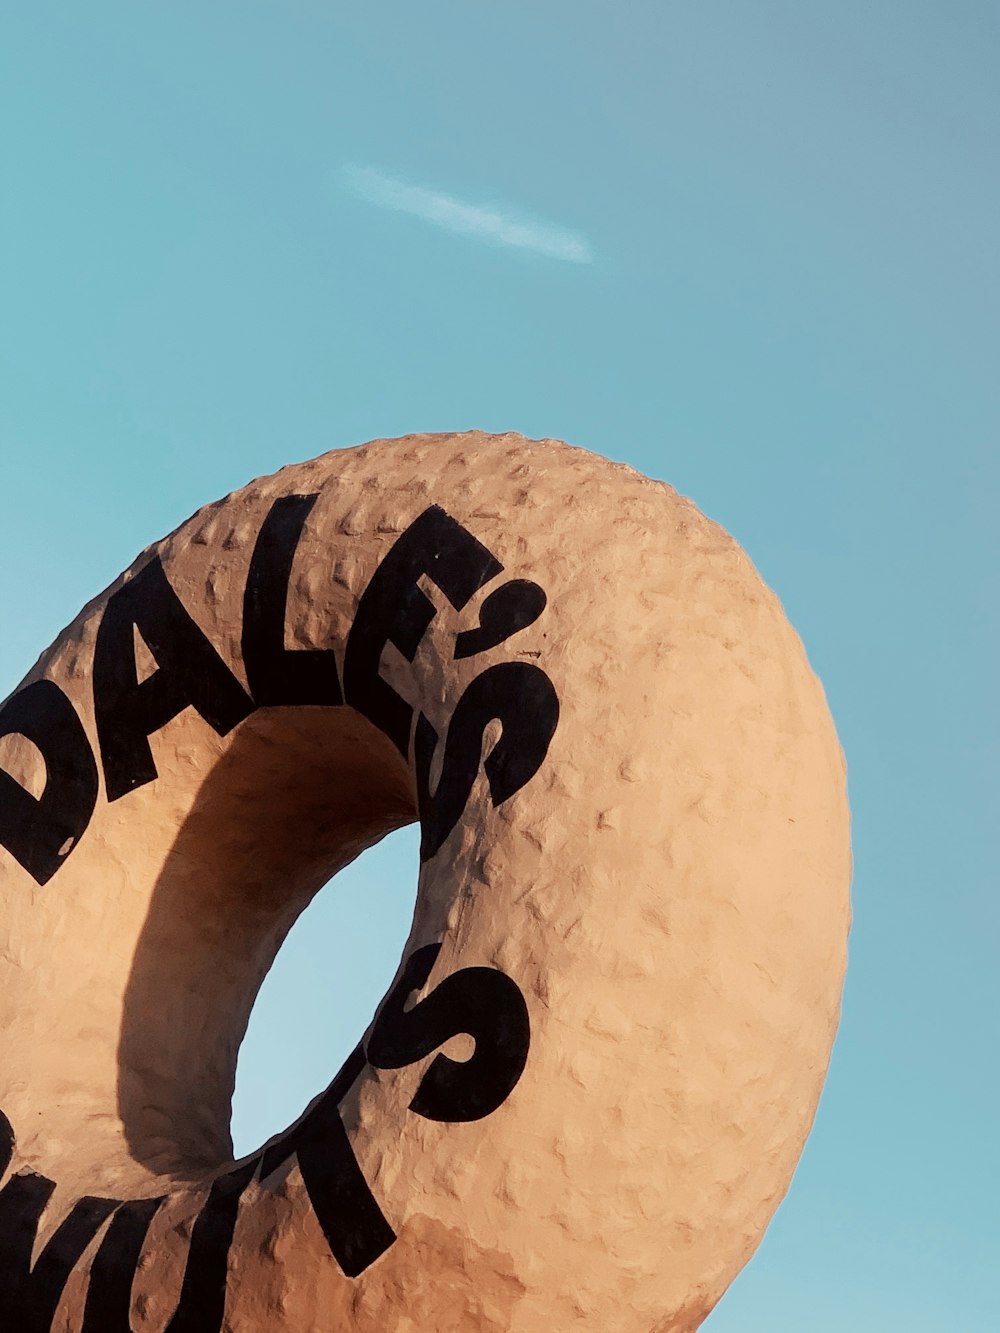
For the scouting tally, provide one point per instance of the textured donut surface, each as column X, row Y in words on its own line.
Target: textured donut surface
column 587, row 1089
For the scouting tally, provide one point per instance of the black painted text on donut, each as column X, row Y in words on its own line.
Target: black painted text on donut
column 40, row 833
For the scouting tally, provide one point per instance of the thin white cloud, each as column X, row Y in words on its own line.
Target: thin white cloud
column 501, row 226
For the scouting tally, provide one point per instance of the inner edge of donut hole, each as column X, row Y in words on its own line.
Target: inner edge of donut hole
column 297, row 795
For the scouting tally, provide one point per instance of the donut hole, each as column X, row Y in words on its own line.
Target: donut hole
column 331, row 972
column 295, row 797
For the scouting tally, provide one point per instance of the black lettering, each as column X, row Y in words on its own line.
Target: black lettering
column 276, row 674
column 189, row 672
column 29, row 1296
column 523, row 699
column 481, row 1001
column 6, row 1144
column 393, row 610
column 22, row 1202
column 202, row 1303
column 512, row 607
column 109, row 1292
column 353, row 1223
column 41, row 833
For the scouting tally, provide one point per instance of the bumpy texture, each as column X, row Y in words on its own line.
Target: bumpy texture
column 587, row 1090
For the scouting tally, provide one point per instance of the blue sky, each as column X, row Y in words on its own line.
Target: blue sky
column 751, row 250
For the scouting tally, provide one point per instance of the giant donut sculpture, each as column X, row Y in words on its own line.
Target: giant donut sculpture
column 587, row 1088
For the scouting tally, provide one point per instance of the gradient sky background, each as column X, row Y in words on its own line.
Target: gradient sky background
column 750, row 249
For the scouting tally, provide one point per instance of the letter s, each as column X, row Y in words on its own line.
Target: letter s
column 481, row 1001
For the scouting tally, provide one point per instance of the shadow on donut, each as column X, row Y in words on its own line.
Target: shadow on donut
column 298, row 794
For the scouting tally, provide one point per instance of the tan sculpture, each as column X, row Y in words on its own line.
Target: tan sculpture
column 586, row 1092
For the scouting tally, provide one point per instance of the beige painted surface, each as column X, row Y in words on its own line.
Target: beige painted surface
column 669, row 892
